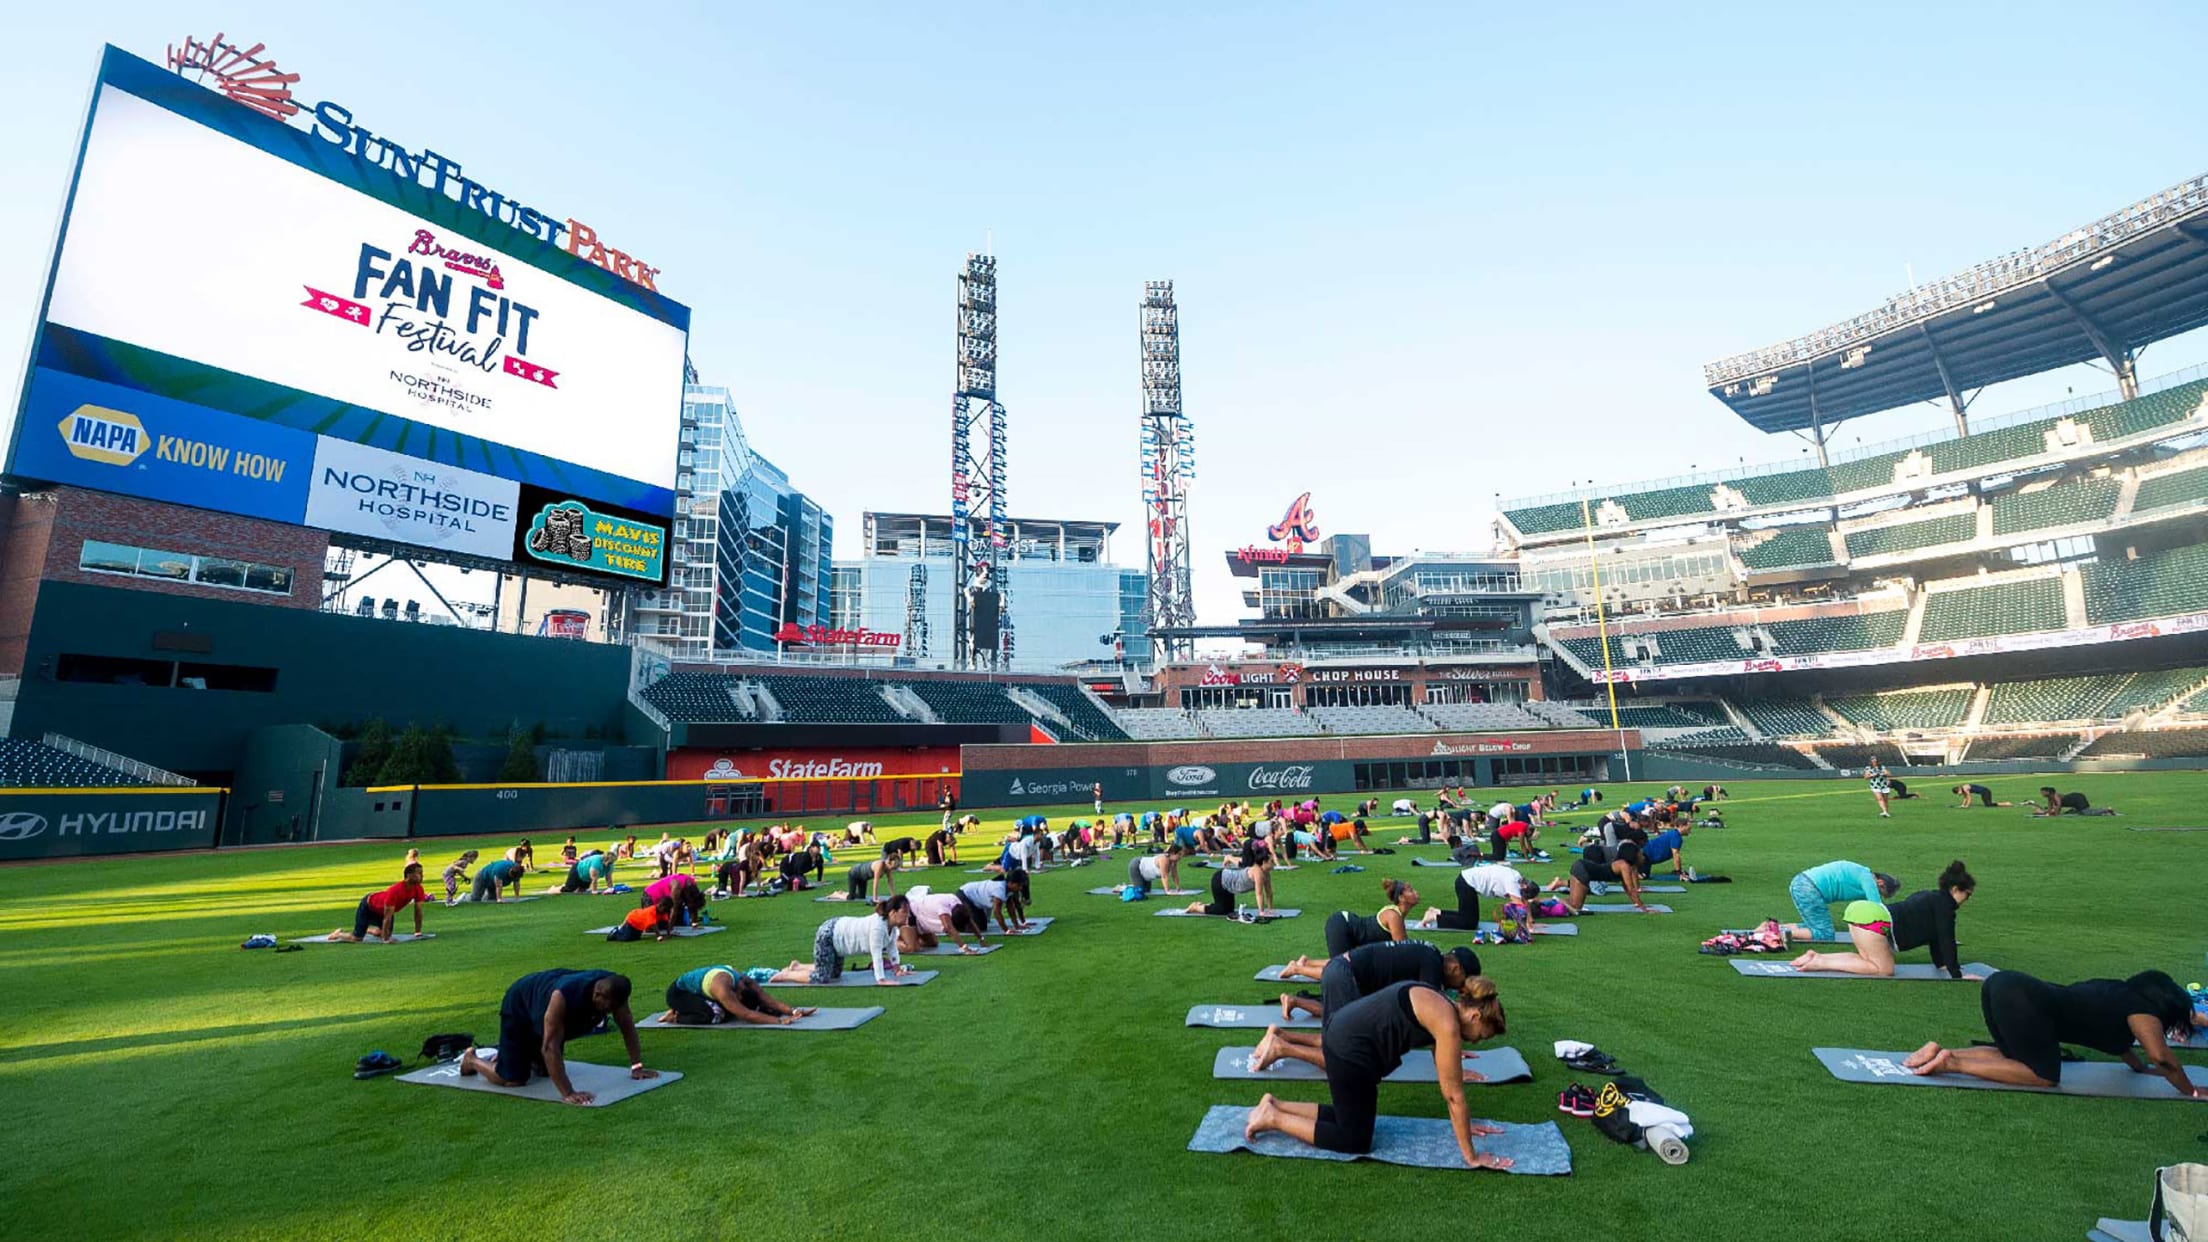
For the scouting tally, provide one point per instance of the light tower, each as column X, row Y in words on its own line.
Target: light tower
column 978, row 525
column 1168, row 469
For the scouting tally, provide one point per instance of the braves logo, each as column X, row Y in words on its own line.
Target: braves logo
column 1297, row 527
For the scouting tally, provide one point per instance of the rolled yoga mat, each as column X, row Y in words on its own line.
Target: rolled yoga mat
column 1421, row 1142
column 1498, row 1065
column 2102, row 1078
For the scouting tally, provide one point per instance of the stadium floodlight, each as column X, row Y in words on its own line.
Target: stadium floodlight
column 1763, row 385
column 1855, row 357
column 1983, row 307
column 2101, row 262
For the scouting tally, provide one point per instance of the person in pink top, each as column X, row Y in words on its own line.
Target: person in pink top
column 683, row 893
column 935, row 915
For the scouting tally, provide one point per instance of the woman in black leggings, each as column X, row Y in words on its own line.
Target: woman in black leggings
column 1366, row 1042
column 1491, row 880
column 2030, row 1020
column 797, row 862
column 1226, row 882
column 1346, row 930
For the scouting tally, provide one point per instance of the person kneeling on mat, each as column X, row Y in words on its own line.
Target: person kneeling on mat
column 686, row 899
column 942, row 847
column 373, row 917
column 1254, row 876
column 1925, row 918
column 871, row 936
column 871, row 881
column 494, row 877
column 2030, row 1020
column 1151, row 869
column 1494, row 881
column 1818, row 889
column 935, row 915
column 1346, row 930
column 1366, row 1042
column 1005, row 900
column 1975, row 795
column 797, row 862
column 541, row 1013
column 713, row 994
column 1600, row 865
column 654, row 918
column 589, row 871
column 2072, row 803
column 1359, row 973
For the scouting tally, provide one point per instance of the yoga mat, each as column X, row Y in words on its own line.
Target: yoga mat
column 1501, row 1065
column 1542, row 928
column 1619, row 908
column 864, row 979
column 396, row 938
column 468, row 899
column 610, row 1083
column 1439, row 862
column 1236, row 918
column 2102, row 1078
column 1271, row 974
column 679, row 931
column 947, row 949
column 2108, row 1230
column 1113, row 891
column 1035, row 927
column 1251, row 1018
column 825, row 1020
column 1420, row 1142
column 1781, row 970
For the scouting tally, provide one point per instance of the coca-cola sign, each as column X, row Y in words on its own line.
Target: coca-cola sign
column 1289, row 776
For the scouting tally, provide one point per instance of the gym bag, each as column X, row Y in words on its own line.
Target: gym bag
column 2180, row 1212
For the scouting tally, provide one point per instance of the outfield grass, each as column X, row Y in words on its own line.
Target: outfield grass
column 161, row 1083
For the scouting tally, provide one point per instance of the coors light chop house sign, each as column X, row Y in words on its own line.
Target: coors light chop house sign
column 244, row 75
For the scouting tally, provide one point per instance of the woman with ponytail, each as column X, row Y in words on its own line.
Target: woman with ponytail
column 1366, row 1042
column 1346, row 929
column 1924, row 919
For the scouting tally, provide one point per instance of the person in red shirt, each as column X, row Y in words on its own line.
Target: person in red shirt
column 1517, row 832
column 656, row 920
column 372, row 919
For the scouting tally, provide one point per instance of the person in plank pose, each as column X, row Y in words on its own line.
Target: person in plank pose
column 1366, row 1042
column 1818, row 889
column 871, row 936
column 712, row 994
column 1361, row 972
column 2031, row 1019
column 1922, row 919
column 540, row 1014
column 373, row 917
column 1255, row 876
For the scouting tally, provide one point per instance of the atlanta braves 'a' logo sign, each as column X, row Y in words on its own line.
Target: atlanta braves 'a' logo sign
column 1297, row 527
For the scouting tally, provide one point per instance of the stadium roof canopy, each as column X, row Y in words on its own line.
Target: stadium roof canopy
column 2102, row 292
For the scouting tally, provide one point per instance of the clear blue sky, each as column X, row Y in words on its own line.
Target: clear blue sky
column 1424, row 254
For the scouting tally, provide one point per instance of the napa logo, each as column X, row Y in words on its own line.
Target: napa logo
column 103, row 435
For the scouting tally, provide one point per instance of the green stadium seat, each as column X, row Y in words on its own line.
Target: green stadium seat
column 2167, row 491
column 2026, row 607
column 2159, row 584
column 1904, row 709
column 1793, row 546
column 1908, row 536
column 2064, row 504
column 1840, row 633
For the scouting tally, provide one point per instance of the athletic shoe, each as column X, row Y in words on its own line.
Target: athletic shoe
column 1576, row 1100
column 1593, row 1061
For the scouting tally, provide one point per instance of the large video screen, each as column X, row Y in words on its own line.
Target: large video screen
column 247, row 319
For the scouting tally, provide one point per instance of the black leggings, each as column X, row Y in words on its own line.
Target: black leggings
column 1222, row 901
column 900, row 847
column 1345, row 1125
column 861, row 876
column 935, row 851
column 1466, row 917
column 734, row 874
column 1342, row 933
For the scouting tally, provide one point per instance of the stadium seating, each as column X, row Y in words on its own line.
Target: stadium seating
column 1665, row 716
column 1855, row 476
column 1785, row 488
column 1589, row 650
column 1905, row 709
column 1760, row 754
column 2041, row 746
column 2148, row 691
column 1475, row 717
column 2157, row 744
column 2160, row 584
column 2051, row 699
column 35, row 765
column 1790, row 547
column 2165, row 491
column 2022, row 607
column 1701, row 645
column 1081, row 711
column 1157, row 724
column 1989, row 447
column 969, row 702
column 830, row 700
column 695, row 697
column 1545, row 519
column 2064, row 504
column 1383, row 718
column 1788, row 718
column 2156, row 409
column 1257, row 722
column 1840, row 633
column 1852, row 757
column 1723, row 735
column 1909, row 536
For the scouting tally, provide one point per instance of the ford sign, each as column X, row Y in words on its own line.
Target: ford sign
column 1191, row 775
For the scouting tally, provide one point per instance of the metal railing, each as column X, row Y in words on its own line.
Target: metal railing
column 145, row 772
column 1986, row 280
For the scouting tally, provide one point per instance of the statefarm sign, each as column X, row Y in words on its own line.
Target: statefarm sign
column 825, row 636
column 244, row 76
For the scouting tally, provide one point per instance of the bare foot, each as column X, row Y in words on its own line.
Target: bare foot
column 1266, row 1116
column 1287, row 1011
column 1268, row 1049
column 1921, row 1061
column 1807, row 961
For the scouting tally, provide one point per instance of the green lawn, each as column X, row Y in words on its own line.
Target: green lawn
column 162, row 1083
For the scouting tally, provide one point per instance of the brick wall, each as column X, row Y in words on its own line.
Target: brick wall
column 79, row 515
column 26, row 528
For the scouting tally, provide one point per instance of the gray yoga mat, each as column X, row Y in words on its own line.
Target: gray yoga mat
column 468, row 899
column 864, row 979
column 1271, row 974
column 1544, row 927
column 1420, row 1142
column 1620, row 908
column 396, row 938
column 1500, row 1065
column 2102, row 1078
column 679, row 931
column 824, row 1020
column 1181, row 913
column 1248, row 1018
column 1113, row 891
column 2109, row 1230
column 947, row 949
column 1035, row 927
column 610, row 1083
column 1914, row 970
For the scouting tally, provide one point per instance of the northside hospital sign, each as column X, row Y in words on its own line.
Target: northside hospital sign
column 244, row 76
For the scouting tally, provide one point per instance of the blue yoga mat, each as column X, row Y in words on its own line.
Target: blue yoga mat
column 1420, row 1142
